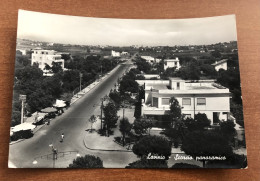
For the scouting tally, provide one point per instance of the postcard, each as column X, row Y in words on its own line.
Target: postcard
column 126, row 93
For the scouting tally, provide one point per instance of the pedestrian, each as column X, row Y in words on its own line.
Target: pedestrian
column 48, row 121
column 62, row 137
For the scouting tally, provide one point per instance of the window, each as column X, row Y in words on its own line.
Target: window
column 178, row 85
column 175, row 63
column 155, row 102
column 186, row 101
column 42, row 52
column 165, row 101
column 201, row 101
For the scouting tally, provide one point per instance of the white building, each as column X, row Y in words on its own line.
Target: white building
column 222, row 64
column 43, row 57
column 203, row 96
column 151, row 60
column 115, row 54
column 170, row 63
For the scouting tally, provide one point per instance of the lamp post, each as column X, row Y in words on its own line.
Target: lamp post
column 80, row 77
column 23, row 99
column 101, row 108
column 54, row 155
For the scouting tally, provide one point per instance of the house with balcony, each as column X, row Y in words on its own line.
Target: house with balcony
column 43, row 57
column 203, row 96
column 170, row 63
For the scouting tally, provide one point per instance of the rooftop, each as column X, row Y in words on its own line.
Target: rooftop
column 172, row 60
column 219, row 62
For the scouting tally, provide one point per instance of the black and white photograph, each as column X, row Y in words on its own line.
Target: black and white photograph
column 126, row 93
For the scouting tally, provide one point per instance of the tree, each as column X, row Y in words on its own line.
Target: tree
column 146, row 163
column 144, row 66
column 115, row 96
column 200, row 122
column 39, row 100
column 154, row 145
column 125, row 128
column 138, row 111
column 175, row 110
column 141, row 126
column 88, row 161
column 228, row 130
column 189, row 72
column 92, row 120
column 216, row 54
column 177, row 133
column 208, row 70
column 56, row 67
column 128, row 85
column 47, row 67
column 110, row 116
column 206, row 143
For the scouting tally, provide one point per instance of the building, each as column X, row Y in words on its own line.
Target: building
column 115, row 54
column 204, row 96
column 151, row 60
column 43, row 57
column 150, row 76
column 170, row 63
column 222, row 64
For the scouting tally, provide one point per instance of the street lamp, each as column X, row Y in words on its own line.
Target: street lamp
column 80, row 77
column 23, row 99
column 101, row 108
column 54, row 155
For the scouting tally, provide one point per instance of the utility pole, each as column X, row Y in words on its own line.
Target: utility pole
column 101, row 112
column 80, row 76
column 124, row 110
column 23, row 99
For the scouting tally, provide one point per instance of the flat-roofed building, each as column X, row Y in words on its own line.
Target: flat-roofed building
column 115, row 54
column 170, row 63
column 43, row 57
column 204, row 96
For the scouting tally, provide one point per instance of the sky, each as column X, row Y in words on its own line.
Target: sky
column 125, row 32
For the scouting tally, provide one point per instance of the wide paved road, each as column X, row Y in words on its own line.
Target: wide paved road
column 73, row 124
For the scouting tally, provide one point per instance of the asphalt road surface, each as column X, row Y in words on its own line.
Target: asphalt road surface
column 73, row 124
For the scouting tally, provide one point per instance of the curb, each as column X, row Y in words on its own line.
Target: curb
column 101, row 79
column 95, row 149
column 20, row 140
column 17, row 141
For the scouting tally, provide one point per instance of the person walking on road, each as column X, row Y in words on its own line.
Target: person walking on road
column 62, row 137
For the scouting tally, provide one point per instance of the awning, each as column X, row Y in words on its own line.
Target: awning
column 49, row 109
column 23, row 126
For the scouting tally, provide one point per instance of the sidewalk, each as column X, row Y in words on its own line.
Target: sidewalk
column 91, row 86
column 94, row 141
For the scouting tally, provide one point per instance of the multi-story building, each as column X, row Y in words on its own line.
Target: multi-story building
column 115, row 54
column 222, row 64
column 204, row 96
column 43, row 57
column 170, row 63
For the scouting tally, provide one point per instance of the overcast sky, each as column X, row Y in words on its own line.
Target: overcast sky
column 124, row 32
